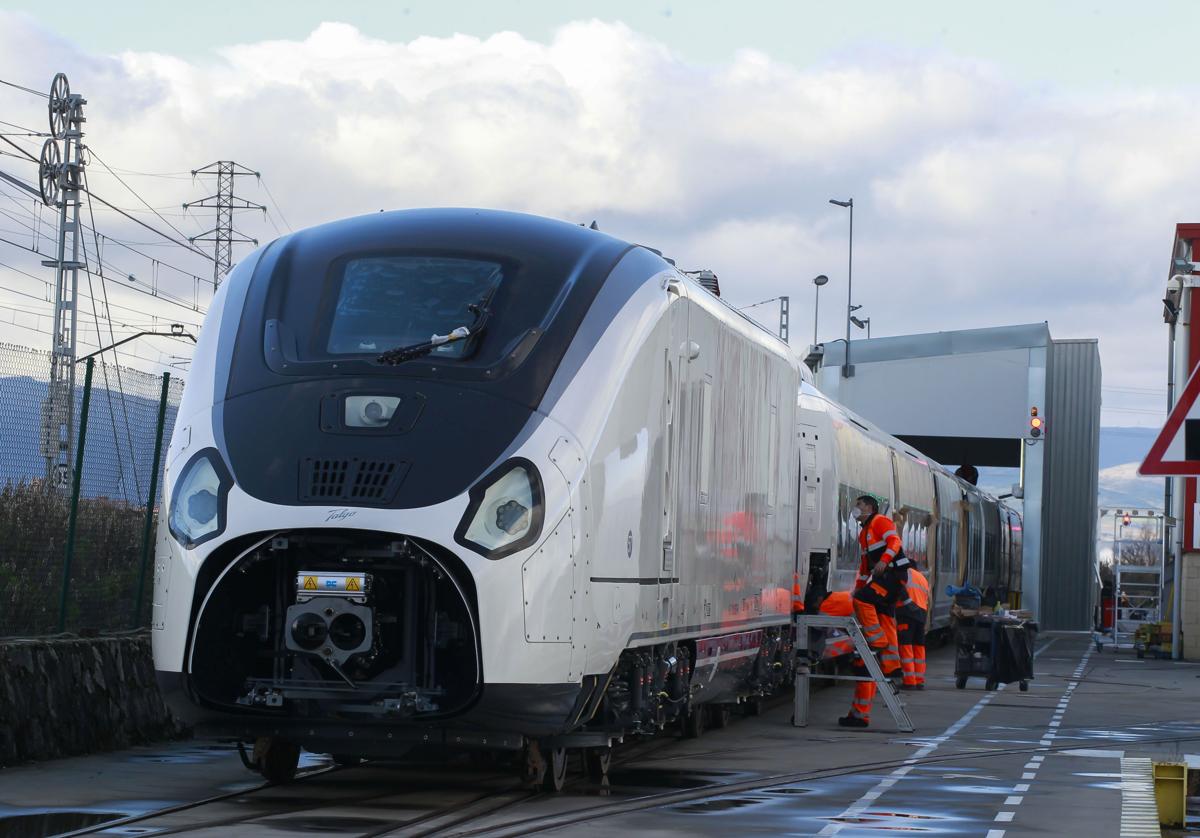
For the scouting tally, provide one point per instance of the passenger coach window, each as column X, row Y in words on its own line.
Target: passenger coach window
column 384, row 302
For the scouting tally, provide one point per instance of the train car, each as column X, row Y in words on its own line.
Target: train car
column 949, row 527
column 477, row 479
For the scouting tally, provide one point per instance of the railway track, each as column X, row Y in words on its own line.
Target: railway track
column 472, row 813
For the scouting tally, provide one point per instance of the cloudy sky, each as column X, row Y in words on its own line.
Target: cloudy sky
column 1008, row 166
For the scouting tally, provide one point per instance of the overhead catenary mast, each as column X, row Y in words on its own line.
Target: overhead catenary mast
column 60, row 174
column 224, row 202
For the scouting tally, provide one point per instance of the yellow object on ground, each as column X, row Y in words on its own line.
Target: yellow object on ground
column 1170, row 792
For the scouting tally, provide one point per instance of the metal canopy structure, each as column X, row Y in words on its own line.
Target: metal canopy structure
column 965, row 398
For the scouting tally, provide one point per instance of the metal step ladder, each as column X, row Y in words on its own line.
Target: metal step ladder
column 885, row 688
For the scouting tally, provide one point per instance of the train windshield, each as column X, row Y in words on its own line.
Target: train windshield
column 388, row 301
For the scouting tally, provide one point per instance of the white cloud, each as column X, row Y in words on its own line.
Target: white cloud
column 979, row 201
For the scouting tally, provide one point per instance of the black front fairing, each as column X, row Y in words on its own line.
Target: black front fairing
column 281, row 416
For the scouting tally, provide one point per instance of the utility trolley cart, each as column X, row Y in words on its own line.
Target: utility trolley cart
column 996, row 649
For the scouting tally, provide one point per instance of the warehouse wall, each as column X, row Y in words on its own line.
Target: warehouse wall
column 1071, row 473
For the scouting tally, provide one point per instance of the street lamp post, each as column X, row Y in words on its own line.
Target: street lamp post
column 862, row 323
column 818, row 281
column 847, row 368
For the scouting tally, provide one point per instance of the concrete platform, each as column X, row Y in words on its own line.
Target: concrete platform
column 1060, row 759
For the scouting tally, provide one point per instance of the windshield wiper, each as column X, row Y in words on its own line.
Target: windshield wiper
column 419, row 350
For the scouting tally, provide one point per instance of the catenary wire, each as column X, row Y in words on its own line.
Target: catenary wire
column 26, row 89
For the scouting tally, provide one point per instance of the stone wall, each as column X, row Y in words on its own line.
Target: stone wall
column 67, row 696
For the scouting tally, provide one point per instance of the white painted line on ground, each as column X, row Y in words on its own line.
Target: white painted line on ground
column 1139, row 812
column 859, row 806
column 1013, row 801
column 1004, row 817
column 1089, row 752
column 1030, row 775
column 1021, row 787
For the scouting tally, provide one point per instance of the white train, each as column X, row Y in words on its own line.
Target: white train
column 575, row 515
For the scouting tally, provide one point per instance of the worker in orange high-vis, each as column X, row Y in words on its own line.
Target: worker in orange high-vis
column 797, row 594
column 911, row 613
column 837, row 604
column 882, row 574
column 841, row 604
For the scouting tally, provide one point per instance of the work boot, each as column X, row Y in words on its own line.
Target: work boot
column 921, row 686
column 911, row 687
column 853, row 721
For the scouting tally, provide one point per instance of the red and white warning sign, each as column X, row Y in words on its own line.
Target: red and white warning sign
column 1176, row 451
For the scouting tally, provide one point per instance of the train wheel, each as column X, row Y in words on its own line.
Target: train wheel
column 1024, row 686
column 720, row 716
column 556, row 770
column 960, row 682
column 277, row 759
column 693, row 723
column 990, row 684
column 597, row 761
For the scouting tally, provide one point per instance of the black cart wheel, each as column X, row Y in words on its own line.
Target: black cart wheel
column 960, row 682
column 1024, row 686
column 277, row 759
column 990, row 684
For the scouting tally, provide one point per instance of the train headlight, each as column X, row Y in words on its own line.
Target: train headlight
column 505, row 513
column 197, row 510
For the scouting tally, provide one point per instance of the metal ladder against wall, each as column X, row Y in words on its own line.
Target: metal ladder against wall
column 885, row 688
column 1137, row 599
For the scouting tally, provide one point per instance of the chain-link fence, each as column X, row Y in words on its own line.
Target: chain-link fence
column 74, row 553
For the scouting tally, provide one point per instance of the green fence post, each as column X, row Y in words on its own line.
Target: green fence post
column 70, row 554
column 150, row 497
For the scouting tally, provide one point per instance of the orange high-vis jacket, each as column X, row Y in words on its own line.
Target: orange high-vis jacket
column 917, row 589
column 838, row 604
column 877, row 541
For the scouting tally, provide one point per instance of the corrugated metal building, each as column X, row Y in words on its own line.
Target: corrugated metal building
column 965, row 397
column 1070, row 490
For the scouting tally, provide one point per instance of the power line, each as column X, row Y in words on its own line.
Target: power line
column 156, row 293
column 23, row 87
column 275, row 204
column 154, row 230
column 19, row 148
column 32, row 132
column 116, row 358
column 135, row 194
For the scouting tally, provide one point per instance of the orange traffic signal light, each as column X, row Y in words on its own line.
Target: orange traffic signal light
column 1125, row 520
column 1035, row 423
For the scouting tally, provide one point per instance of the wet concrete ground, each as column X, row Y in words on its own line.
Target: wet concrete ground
column 1058, row 760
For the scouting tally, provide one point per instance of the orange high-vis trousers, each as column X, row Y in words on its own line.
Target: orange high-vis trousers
column 912, row 644
column 889, row 658
column 864, row 694
column 866, row 610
